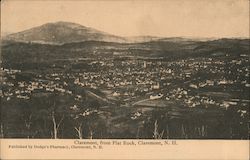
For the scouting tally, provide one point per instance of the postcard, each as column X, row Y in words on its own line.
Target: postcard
column 125, row 79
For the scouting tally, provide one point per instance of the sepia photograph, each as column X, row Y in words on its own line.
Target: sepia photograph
column 125, row 69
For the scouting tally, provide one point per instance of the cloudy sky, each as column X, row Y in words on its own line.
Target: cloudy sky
column 166, row 18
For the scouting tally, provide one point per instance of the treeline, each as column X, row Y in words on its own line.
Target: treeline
column 50, row 116
column 59, row 116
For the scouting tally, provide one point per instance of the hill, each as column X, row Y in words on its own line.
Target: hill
column 62, row 32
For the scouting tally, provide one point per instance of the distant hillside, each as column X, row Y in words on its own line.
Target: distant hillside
column 62, row 32
column 63, row 41
column 67, row 32
column 24, row 55
column 59, row 33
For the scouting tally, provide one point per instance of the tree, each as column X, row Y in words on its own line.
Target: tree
column 56, row 124
column 79, row 131
column 156, row 133
column 57, row 111
column 1, row 132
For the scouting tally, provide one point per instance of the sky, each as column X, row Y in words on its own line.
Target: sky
column 165, row 18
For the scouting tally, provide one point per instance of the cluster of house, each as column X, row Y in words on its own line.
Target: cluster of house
column 174, row 80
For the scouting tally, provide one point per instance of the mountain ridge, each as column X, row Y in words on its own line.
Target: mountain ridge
column 62, row 32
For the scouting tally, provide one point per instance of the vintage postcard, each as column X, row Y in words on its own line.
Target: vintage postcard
column 125, row 79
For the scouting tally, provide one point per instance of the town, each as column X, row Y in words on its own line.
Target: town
column 137, row 87
column 195, row 82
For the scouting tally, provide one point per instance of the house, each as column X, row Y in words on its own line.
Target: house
column 158, row 96
column 156, row 86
